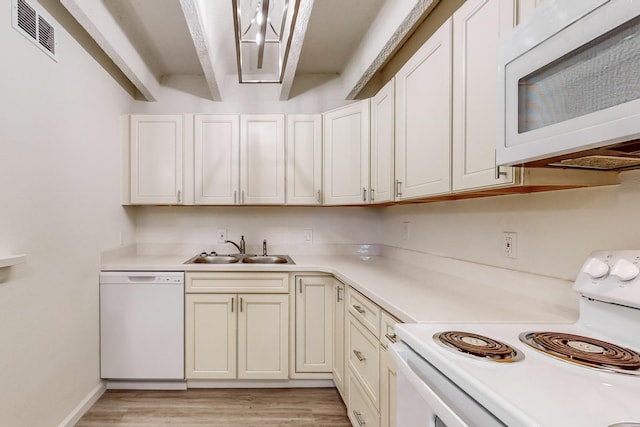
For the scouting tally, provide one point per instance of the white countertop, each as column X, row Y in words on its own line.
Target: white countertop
column 451, row 291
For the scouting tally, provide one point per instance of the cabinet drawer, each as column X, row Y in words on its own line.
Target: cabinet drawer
column 364, row 359
column 387, row 329
column 364, row 310
column 360, row 410
column 207, row 282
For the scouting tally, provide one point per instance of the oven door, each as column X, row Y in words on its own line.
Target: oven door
column 426, row 398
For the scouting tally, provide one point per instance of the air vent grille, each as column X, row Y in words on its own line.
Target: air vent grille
column 34, row 26
column 27, row 18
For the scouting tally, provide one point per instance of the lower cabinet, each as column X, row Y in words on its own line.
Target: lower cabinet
column 339, row 290
column 371, row 385
column 236, row 335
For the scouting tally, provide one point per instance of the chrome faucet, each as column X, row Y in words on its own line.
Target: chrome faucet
column 241, row 247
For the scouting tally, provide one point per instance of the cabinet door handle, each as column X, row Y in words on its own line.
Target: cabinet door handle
column 338, row 291
column 179, row 196
column 364, row 194
column 392, row 338
column 235, row 197
column 498, row 172
column 240, row 304
column 319, row 196
column 242, row 197
column 372, row 193
column 233, row 300
column 398, row 188
column 360, row 309
column 358, row 417
column 300, row 285
column 359, row 355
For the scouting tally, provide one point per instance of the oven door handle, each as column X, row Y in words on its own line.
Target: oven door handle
column 399, row 353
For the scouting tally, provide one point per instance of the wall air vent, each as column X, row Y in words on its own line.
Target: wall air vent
column 32, row 24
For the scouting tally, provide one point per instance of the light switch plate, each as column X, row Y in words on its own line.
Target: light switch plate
column 308, row 235
column 222, row 235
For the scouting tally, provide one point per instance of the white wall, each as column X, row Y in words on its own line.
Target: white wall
column 59, row 169
column 335, row 230
column 556, row 230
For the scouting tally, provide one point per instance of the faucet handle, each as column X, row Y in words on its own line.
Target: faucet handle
column 264, row 247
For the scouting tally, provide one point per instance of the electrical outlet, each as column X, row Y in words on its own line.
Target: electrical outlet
column 405, row 230
column 222, row 235
column 308, row 235
column 510, row 244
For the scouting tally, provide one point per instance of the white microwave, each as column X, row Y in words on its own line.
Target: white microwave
column 569, row 87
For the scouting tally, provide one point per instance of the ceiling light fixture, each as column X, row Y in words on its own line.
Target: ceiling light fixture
column 263, row 32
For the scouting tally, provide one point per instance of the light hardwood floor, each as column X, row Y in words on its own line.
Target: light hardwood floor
column 218, row 407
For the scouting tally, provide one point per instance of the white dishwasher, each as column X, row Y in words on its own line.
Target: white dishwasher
column 142, row 327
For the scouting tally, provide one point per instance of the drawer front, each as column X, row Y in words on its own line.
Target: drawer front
column 387, row 329
column 364, row 359
column 360, row 410
column 364, row 310
column 226, row 282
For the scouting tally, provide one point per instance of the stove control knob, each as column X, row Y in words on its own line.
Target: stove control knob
column 625, row 270
column 596, row 268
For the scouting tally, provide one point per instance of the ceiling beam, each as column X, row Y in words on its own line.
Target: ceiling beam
column 200, row 38
column 105, row 30
column 393, row 23
column 291, row 65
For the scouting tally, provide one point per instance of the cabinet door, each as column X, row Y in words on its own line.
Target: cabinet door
column 217, row 159
column 338, row 337
column 346, row 154
column 314, row 340
column 382, row 144
column 423, row 119
column 263, row 339
column 210, row 336
column 304, row 159
column 527, row 7
column 262, row 159
column 387, row 389
column 156, row 144
column 477, row 26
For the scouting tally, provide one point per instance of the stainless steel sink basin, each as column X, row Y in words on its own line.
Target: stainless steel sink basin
column 268, row 259
column 213, row 259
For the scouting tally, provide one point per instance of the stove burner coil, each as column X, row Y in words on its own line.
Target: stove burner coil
column 584, row 351
column 477, row 346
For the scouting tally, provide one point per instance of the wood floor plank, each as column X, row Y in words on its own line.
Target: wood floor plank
column 218, row 407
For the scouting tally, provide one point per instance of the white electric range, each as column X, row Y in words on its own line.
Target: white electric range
column 481, row 374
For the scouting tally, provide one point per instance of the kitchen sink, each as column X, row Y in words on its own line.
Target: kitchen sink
column 213, row 259
column 268, row 259
column 205, row 258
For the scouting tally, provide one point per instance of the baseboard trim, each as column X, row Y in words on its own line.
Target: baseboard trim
column 147, row 385
column 259, row 384
column 84, row 405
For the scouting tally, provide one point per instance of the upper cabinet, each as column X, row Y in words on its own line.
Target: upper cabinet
column 477, row 26
column 304, row 159
column 382, row 144
column 423, row 119
column 156, row 153
column 262, row 159
column 346, row 154
column 216, row 159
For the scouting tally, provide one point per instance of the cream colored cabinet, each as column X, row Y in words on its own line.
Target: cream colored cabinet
column 313, row 324
column 382, row 144
column 262, row 163
column 527, row 7
column 304, row 159
column 423, row 119
column 236, row 326
column 263, row 336
column 346, row 154
column 339, row 291
column 156, row 159
column 239, row 159
column 387, row 372
column 477, row 26
column 217, row 159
